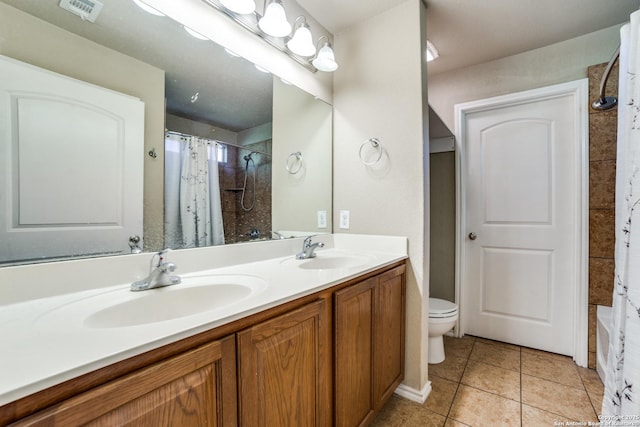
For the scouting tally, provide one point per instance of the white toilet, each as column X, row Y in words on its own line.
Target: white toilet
column 442, row 318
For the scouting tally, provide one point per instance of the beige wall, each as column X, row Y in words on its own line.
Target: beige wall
column 31, row 40
column 380, row 95
column 298, row 197
column 557, row 63
column 443, row 225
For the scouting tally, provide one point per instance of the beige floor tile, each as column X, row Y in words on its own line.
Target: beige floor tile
column 497, row 356
column 560, row 399
column 534, row 417
column 422, row 417
column 479, row 408
column 441, row 396
column 560, row 370
column 453, row 423
column 545, row 354
column 596, row 402
column 499, row 344
column 451, row 369
column 395, row 413
column 591, row 380
column 503, row 382
column 459, row 347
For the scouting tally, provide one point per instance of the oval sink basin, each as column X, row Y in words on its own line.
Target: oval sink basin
column 329, row 262
column 166, row 304
column 122, row 308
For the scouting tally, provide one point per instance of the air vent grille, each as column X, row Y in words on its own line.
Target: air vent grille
column 86, row 9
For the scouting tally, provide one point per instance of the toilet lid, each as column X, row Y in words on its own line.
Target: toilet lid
column 441, row 308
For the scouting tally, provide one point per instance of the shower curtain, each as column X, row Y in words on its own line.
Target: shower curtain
column 622, row 383
column 193, row 211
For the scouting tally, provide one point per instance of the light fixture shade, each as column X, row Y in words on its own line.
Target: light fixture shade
column 148, row 8
column 432, row 52
column 274, row 22
column 242, row 7
column 325, row 61
column 302, row 43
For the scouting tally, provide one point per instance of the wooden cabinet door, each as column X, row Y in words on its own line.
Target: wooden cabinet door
column 353, row 346
column 388, row 353
column 197, row 388
column 285, row 369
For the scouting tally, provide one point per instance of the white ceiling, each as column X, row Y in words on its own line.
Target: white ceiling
column 468, row 32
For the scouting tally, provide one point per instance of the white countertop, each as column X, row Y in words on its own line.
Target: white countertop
column 45, row 338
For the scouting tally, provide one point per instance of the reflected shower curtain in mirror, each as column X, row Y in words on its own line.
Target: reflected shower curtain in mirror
column 193, row 211
column 622, row 382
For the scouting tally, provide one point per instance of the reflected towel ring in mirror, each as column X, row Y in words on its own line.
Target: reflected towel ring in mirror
column 377, row 148
column 294, row 163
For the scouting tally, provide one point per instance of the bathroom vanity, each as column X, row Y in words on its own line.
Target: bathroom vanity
column 320, row 343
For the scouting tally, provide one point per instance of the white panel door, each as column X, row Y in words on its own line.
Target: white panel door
column 521, row 175
column 72, row 166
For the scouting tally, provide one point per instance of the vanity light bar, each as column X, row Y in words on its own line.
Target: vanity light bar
column 250, row 22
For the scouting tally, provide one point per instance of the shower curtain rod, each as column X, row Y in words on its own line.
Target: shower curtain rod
column 215, row 141
column 606, row 102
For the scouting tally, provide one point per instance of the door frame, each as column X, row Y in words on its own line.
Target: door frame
column 579, row 89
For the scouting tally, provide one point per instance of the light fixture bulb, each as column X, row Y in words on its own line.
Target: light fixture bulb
column 302, row 43
column 274, row 22
column 432, row 52
column 243, row 7
column 148, row 8
column 325, row 61
column 194, row 33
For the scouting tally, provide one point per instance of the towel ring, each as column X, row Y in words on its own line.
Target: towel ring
column 375, row 143
column 291, row 165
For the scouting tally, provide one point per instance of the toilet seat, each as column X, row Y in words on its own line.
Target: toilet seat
column 439, row 308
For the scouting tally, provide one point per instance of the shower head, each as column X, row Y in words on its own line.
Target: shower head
column 248, row 156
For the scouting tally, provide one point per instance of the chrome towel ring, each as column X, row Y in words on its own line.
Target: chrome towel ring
column 375, row 143
column 294, row 163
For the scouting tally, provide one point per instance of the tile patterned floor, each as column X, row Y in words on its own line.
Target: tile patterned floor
column 489, row 383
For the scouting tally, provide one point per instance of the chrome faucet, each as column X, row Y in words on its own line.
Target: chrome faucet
column 158, row 274
column 308, row 249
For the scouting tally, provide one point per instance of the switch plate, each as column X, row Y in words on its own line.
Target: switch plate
column 344, row 220
column 322, row 219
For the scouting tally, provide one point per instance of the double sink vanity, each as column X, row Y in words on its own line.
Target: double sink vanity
column 250, row 336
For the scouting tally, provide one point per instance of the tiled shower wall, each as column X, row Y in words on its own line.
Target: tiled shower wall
column 602, row 177
column 238, row 222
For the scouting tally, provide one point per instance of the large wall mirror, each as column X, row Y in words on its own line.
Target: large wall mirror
column 267, row 144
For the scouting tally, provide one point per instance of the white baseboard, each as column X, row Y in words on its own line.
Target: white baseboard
column 419, row 396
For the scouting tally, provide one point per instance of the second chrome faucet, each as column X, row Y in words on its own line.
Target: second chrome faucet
column 308, row 249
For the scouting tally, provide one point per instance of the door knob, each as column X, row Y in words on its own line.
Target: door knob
column 473, row 236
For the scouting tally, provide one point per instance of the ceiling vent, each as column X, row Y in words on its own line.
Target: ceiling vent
column 88, row 10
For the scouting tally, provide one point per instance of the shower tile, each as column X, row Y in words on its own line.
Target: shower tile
column 497, row 356
column 559, row 369
column 549, row 396
column 441, row 396
column 451, row 369
column 603, row 133
column 459, row 347
column 503, row 382
column 602, row 184
column 601, row 233
column 479, row 408
column 601, row 279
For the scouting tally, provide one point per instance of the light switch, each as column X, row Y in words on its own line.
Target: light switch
column 322, row 219
column 344, row 220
